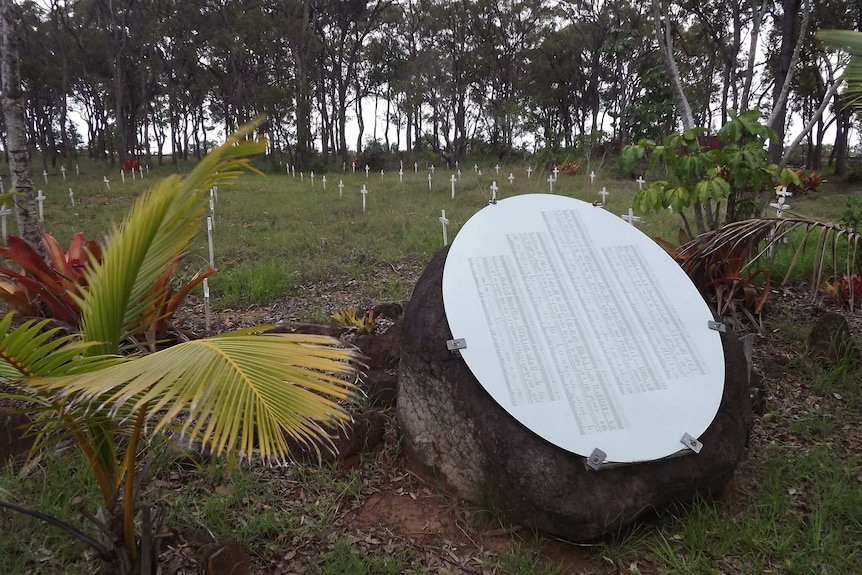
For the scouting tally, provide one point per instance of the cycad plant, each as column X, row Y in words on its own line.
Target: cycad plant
column 237, row 393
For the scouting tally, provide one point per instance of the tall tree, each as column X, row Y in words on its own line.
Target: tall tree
column 18, row 148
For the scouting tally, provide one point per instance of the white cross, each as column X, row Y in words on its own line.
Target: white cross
column 123, row 175
column 476, row 168
column 293, row 170
column 133, row 176
column 433, row 169
column 480, row 172
column 107, row 183
column 401, row 175
column 4, row 211
column 45, row 175
column 77, row 171
column 452, row 182
column 497, row 169
column 630, row 217
column 551, row 184
column 40, row 197
column 63, row 172
column 301, row 176
column 494, row 189
column 592, row 177
column 340, row 187
column 443, row 221
column 323, row 180
column 364, row 193
column 72, row 197
column 312, row 178
column 343, row 167
column 604, row 194
column 429, row 181
column 141, row 171
column 511, row 178
column 529, row 171
column 415, row 167
column 556, row 171
column 640, row 182
column 381, row 174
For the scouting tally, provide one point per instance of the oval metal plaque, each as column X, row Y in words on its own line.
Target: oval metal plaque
column 583, row 328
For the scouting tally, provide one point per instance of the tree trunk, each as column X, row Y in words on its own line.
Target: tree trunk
column 13, row 110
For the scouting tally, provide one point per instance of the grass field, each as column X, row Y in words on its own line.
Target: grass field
column 795, row 507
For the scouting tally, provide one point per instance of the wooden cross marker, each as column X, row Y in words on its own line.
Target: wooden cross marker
column 640, row 182
column 556, row 172
column 494, row 189
column 429, row 180
column 72, row 197
column 592, row 177
column 459, row 174
column 312, row 178
column 433, row 169
column 323, row 181
column 604, row 194
column 415, row 167
column 40, row 197
column 476, row 168
column 340, row 188
column 443, row 221
column 45, row 175
column 141, row 171
column 630, row 217
column 293, row 171
column 497, row 169
column 301, row 176
column 123, row 175
column 77, row 171
column 511, row 179
column 452, row 184
column 364, row 193
column 133, row 176
column 529, row 172
column 401, row 175
column 63, row 172
column 343, row 167
column 4, row 211
column 381, row 174
column 107, row 182
column 551, row 184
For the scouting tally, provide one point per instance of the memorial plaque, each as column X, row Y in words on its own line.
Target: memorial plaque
column 583, row 328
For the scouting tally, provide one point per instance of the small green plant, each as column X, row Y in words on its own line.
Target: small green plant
column 350, row 317
column 852, row 215
column 703, row 172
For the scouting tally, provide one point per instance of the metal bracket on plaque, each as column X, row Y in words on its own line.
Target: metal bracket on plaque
column 454, row 345
column 691, row 443
column 716, row 326
column 595, row 460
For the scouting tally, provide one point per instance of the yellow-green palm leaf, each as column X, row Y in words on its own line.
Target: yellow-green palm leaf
column 234, row 392
column 851, row 42
column 162, row 224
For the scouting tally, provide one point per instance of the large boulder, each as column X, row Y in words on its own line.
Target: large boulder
column 455, row 433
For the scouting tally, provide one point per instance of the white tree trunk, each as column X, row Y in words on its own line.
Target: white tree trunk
column 665, row 44
column 779, row 103
column 13, row 110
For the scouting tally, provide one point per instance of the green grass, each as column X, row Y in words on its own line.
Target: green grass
column 275, row 235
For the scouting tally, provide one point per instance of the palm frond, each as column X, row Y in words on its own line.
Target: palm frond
column 851, row 42
column 234, row 392
column 31, row 350
column 157, row 231
column 755, row 237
